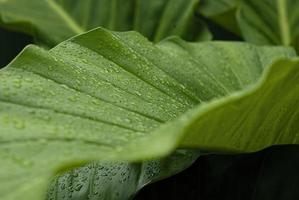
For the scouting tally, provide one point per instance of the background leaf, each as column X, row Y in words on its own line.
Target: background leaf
column 264, row 22
column 270, row 22
column 52, row 21
column 223, row 12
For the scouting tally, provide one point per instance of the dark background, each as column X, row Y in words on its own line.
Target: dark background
column 11, row 43
column 271, row 174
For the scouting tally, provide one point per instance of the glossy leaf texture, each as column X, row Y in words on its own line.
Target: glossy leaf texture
column 52, row 21
column 265, row 22
column 104, row 96
column 241, row 124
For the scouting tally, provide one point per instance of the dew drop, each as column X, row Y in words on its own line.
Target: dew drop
column 17, row 83
column 72, row 98
column 19, row 124
column 78, row 187
column 27, row 163
column 50, row 68
column 62, row 187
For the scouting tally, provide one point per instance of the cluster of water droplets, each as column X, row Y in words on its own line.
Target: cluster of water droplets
column 111, row 181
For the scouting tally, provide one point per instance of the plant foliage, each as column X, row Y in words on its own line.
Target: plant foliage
column 72, row 104
column 265, row 22
column 52, row 21
column 105, row 113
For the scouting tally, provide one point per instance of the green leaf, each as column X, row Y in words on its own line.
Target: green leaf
column 223, row 12
column 147, row 171
column 117, row 180
column 104, row 96
column 270, row 22
column 249, row 120
column 264, row 22
column 52, row 21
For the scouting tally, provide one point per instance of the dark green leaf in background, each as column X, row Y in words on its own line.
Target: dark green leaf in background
column 264, row 22
column 52, row 21
column 223, row 12
column 270, row 22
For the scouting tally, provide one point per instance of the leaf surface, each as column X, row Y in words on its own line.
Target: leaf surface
column 53, row 21
column 117, row 180
column 104, row 96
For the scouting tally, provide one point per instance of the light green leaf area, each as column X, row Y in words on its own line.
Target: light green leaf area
column 52, row 21
column 264, row 22
column 112, row 96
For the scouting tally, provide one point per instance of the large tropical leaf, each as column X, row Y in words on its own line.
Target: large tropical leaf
column 52, row 21
column 271, row 22
column 10, row 44
column 109, row 95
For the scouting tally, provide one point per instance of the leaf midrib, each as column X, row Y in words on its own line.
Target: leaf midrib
column 283, row 22
column 72, row 24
